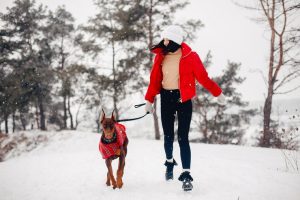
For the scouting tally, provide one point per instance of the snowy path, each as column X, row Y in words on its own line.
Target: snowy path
column 70, row 167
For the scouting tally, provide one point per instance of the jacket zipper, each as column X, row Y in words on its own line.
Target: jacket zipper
column 180, row 99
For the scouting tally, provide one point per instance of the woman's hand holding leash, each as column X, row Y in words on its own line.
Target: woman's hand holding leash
column 149, row 108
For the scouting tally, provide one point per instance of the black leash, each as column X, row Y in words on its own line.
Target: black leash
column 139, row 105
column 125, row 120
column 136, row 106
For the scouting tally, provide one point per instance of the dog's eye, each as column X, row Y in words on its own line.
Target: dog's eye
column 108, row 126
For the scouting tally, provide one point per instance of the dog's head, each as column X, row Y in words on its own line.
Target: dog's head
column 107, row 124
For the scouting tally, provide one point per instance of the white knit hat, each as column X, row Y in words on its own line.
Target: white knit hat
column 174, row 33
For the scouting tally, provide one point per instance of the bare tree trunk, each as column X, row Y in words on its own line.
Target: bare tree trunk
column 42, row 113
column 265, row 140
column 155, row 117
column 23, row 121
column 156, row 126
column 65, row 111
column 62, row 53
column 6, row 123
column 115, row 98
column 37, row 115
column 77, row 113
column 62, row 62
column 70, row 114
column 205, row 130
column 98, row 123
column 115, row 92
column 13, row 122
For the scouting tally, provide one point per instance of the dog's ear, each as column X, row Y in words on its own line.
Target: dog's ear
column 102, row 116
column 113, row 114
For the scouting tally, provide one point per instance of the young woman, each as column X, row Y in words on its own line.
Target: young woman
column 173, row 75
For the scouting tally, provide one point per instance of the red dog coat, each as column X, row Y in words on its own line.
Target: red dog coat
column 108, row 150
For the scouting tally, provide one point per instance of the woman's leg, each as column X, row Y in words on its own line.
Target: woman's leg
column 168, row 110
column 184, row 113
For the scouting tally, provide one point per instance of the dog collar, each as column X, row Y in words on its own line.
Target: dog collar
column 108, row 141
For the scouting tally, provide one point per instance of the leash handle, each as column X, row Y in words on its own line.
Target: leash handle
column 126, row 120
column 136, row 106
column 139, row 105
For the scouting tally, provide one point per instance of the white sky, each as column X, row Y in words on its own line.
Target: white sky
column 228, row 33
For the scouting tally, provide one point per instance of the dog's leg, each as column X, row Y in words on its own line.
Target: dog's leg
column 110, row 172
column 121, row 166
column 108, row 179
column 120, row 170
column 125, row 146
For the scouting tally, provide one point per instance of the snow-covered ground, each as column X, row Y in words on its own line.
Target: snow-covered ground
column 70, row 167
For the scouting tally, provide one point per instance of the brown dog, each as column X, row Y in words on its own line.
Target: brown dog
column 112, row 145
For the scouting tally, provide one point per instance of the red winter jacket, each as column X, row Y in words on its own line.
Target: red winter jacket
column 190, row 69
column 108, row 150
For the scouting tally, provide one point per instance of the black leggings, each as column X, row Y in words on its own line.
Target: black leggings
column 170, row 104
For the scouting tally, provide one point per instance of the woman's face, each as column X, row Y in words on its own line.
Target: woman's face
column 166, row 41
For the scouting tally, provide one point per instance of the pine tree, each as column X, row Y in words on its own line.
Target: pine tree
column 9, row 97
column 113, row 29
column 31, row 63
column 61, row 32
column 222, row 124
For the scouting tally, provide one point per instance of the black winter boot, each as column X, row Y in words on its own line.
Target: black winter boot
column 186, row 179
column 169, row 170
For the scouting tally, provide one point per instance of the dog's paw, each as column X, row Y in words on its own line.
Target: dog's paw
column 119, row 183
column 108, row 183
column 113, row 184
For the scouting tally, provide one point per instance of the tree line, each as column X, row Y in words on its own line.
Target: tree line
column 42, row 51
column 51, row 68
